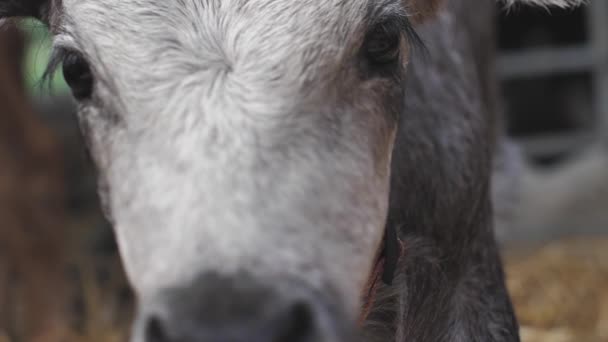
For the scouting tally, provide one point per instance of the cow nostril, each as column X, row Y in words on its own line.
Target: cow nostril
column 155, row 332
column 298, row 324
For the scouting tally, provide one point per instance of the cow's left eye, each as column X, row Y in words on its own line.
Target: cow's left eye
column 383, row 45
column 77, row 74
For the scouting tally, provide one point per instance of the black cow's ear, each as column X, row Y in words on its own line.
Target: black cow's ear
column 547, row 3
column 21, row 8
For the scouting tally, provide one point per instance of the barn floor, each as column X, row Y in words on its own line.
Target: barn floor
column 560, row 291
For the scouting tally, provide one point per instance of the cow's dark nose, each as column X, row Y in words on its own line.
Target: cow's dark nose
column 295, row 324
column 218, row 309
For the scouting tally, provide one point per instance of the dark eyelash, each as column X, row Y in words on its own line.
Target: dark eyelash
column 53, row 65
column 393, row 14
column 413, row 38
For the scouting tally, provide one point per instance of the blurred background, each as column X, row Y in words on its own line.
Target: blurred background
column 61, row 280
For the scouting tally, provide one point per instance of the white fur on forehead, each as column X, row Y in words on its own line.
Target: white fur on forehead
column 548, row 3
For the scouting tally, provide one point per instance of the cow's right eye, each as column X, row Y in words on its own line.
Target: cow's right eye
column 77, row 74
column 382, row 45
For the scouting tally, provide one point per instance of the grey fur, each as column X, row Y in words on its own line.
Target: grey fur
column 237, row 135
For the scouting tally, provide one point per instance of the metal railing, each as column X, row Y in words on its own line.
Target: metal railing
column 591, row 56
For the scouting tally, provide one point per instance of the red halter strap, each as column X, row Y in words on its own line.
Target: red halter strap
column 384, row 268
column 370, row 290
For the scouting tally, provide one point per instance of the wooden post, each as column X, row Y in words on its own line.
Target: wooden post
column 598, row 29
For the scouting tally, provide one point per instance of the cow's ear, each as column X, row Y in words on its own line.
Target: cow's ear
column 422, row 10
column 21, row 8
column 547, row 3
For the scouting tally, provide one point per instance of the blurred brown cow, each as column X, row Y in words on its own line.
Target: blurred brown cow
column 31, row 209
